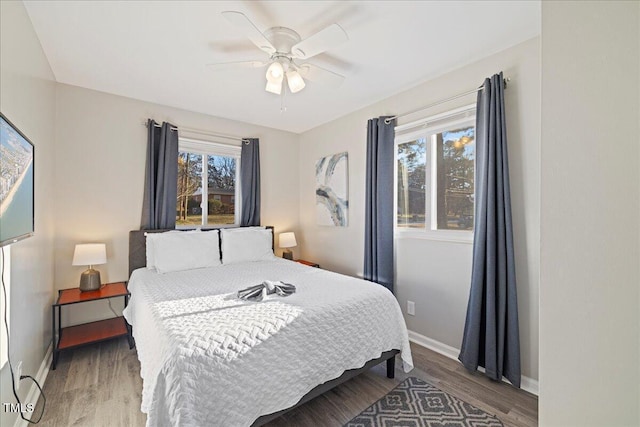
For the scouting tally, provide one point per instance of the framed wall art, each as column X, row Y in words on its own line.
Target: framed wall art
column 332, row 190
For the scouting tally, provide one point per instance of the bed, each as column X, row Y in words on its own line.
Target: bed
column 209, row 358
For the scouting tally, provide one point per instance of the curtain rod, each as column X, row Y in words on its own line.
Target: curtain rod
column 202, row 132
column 442, row 101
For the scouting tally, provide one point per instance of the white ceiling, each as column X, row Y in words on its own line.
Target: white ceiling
column 157, row 51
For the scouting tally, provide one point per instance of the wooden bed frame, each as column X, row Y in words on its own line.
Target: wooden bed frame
column 138, row 259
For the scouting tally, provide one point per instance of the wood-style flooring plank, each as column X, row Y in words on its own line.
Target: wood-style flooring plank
column 84, row 373
column 100, row 385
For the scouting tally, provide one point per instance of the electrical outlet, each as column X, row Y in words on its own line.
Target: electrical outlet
column 18, row 374
column 411, row 308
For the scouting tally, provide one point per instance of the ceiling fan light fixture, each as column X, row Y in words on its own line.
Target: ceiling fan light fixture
column 275, row 72
column 274, row 86
column 295, row 81
column 283, row 45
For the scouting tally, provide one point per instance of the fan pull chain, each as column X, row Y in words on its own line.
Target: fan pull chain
column 283, row 108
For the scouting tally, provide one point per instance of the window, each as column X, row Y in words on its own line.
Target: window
column 208, row 184
column 435, row 168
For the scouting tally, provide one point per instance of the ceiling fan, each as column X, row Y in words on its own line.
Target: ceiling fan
column 285, row 47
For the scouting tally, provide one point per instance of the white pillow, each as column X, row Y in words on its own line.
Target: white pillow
column 186, row 251
column 247, row 245
column 250, row 228
column 150, row 245
column 241, row 229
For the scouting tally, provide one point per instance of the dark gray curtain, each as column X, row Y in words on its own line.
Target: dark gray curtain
column 250, row 181
column 161, row 179
column 491, row 338
column 378, row 234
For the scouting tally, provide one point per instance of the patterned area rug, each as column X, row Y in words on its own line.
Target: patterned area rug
column 415, row 403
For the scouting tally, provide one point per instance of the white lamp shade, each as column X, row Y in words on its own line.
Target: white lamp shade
column 274, row 86
column 288, row 240
column 90, row 254
column 275, row 72
column 296, row 83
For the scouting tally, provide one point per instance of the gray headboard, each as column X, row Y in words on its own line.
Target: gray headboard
column 138, row 246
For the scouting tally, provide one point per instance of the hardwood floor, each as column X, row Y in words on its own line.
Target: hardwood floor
column 100, row 385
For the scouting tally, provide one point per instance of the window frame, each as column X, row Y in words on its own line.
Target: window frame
column 209, row 148
column 427, row 128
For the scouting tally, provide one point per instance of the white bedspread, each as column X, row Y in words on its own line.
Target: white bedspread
column 208, row 358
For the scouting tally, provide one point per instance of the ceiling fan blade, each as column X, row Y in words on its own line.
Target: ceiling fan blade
column 237, row 64
column 323, row 40
column 320, row 75
column 251, row 31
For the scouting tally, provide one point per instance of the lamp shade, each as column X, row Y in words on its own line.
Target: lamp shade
column 288, row 240
column 274, row 86
column 90, row 254
column 295, row 81
column 275, row 72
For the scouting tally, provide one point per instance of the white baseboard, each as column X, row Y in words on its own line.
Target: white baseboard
column 34, row 393
column 527, row 384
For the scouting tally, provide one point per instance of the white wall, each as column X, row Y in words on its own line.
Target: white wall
column 436, row 275
column 27, row 98
column 590, row 245
column 100, row 165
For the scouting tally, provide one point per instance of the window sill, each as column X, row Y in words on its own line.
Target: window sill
column 465, row 237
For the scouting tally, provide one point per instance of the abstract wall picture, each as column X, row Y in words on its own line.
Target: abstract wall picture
column 332, row 190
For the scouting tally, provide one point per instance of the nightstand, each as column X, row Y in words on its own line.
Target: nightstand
column 309, row 263
column 88, row 333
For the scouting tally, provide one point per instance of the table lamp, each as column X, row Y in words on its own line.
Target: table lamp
column 287, row 240
column 90, row 254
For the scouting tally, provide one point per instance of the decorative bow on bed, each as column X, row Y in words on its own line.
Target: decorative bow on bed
column 268, row 287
